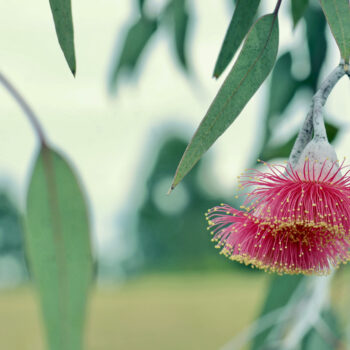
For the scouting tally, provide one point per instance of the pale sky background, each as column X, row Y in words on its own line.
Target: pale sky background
column 106, row 137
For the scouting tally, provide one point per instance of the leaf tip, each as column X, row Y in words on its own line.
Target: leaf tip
column 216, row 72
column 170, row 189
column 72, row 65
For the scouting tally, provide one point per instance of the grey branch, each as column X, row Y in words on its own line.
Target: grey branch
column 304, row 137
column 25, row 107
column 320, row 99
column 314, row 120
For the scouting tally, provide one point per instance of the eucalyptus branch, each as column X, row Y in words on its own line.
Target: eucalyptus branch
column 28, row 111
column 320, row 99
column 314, row 120
column 304, row 137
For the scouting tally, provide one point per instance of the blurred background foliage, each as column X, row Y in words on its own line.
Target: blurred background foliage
column 170, row 228
column 175, row 17
column 13, row 267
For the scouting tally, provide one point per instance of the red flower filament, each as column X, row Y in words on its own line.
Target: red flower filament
column 292, row 221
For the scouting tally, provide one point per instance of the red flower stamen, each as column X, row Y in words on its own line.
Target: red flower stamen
column 293, row 221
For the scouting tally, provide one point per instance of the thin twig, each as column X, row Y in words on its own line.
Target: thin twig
column 275, row 11
column 314, row 119
column 320, row 99
column 304, row 137
column 33, row 119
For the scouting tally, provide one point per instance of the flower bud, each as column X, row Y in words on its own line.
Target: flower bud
column 318, row 157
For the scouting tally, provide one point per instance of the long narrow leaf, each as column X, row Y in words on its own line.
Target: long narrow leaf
column 135, row 42
column 298, row 9
column 283, row 86
column 62, row 16
column 241, row 21
column 337, row 13
column 251, row 69
column 181, row 18
column 58, row 244
column 316, row 42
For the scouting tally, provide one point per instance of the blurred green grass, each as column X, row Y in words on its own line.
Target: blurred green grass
column 165, row 311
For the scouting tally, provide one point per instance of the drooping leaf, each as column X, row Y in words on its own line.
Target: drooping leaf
column 136, row 40
column 141, row 4
column 283, row 85
column 337, row 13
column 254, row 63
column 279, row 293
column 181, row 18
column 283, row 150
column 241, row 21
column 317, row 43
column 62, row 16
column 58, row 244
column 298, row 9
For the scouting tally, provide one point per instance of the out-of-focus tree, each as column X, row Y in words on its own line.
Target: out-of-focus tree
column 12, row 257
column 169, row 229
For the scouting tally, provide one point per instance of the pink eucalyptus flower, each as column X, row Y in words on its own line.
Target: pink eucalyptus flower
column 294, row 220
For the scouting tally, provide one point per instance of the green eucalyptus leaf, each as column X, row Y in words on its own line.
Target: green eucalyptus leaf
column 253, row 65
column 298, row 9
column 337, row 13
column 332, row 131
column 141, row 4
column 241, row 21
column 283, row 85
column 278, row 151
column 62, row 16
column 58, row 244
column 135, row 42
column 317, row 43
column 181, row 18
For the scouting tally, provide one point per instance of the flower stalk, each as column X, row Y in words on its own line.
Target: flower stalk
column 28, row 111
column 314, row 122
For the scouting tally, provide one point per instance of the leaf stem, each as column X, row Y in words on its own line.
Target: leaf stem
column 275, row 11
column 28, row 111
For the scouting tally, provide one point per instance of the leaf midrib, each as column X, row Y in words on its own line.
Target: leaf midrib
column 226, row 102
column 58, row 238
column 244, row 78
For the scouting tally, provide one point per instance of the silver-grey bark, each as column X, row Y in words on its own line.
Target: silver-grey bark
column 314, row 122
